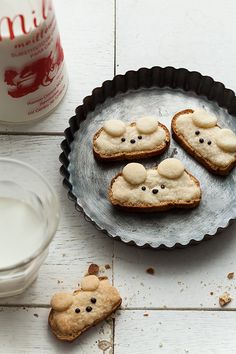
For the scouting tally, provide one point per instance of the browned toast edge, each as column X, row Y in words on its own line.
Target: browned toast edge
column 163, row 206
column 179, row 138
column 134, row 155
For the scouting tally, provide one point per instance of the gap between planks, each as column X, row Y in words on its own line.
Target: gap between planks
column 207, row 309
column 115, row 41
column 32, row 133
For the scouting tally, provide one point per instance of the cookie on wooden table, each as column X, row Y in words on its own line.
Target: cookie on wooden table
column 74, row 313
column 199, row 134
column 160, row 188
column 117, row 140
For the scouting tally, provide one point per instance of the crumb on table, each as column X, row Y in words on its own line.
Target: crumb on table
column 211, row 293
column 150, row 270
column 145, row 314
column 230, row 275
column 93, row 269
column 224, row 299
column 107, row 266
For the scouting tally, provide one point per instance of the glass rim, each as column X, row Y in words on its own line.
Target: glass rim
column 49, row 238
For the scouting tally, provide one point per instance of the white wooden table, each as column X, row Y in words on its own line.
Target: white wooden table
column 175, row 310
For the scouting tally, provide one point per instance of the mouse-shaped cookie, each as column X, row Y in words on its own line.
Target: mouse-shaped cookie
column 74, row 313
column 199, row 134
column 160, row 188
column 117, row 140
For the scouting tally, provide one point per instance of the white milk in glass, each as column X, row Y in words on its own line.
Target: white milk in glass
column 33, row 77
column 21, row 231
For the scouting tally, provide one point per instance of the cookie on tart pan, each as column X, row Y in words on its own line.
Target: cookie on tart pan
column 161, row 188
column 199, row 134
column 117, row 140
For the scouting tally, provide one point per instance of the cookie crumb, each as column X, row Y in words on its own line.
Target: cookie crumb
column 150, row 271
column 145, row 314
column 230, row 275
column 211, row 293
column 104, row 345
column 93, row 269
column 224, row 299
column 103, row 278
column 107, row 266
column 36, row 315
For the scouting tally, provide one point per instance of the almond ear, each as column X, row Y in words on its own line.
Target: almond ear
column 134, row 173
column 226, row 140
column 90, row 283
column 61, row 301
column 171, row 168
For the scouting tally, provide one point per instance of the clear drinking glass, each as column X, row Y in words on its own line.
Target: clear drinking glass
column 29, row 217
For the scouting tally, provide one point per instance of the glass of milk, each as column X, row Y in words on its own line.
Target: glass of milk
column 29, row 217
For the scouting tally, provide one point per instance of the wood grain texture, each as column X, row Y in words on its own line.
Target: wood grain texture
column 31, row 335
column 87, row 33
column 76, row 244
column 183, row 278
column 186, row 34
column 198, row 36
column 178, row 332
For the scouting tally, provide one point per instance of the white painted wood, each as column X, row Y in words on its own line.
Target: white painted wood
column 87, row 33
column 25, row 331
column 175, row 332
column 76, row 244
column 183, row 278
column 198, row 35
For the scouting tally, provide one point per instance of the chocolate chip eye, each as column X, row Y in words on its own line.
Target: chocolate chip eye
column 132, row 141
column 197, row 132
column 201, row 140
column 140, row 137
column 155, row 191
column 93, row 300
column 209, row 142
column 143, row 188
column 163, row 186
column 88, row 308
column 123, row 140
column 77, row 310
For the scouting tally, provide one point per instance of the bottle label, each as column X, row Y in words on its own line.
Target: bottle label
column 33, row 75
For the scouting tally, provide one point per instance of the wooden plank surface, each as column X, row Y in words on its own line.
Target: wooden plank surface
column 175, row 332
column 76, row 244
column 198, row 35
column 193, row 277
column 30, row 335
column 87, row 33
column 185, row 282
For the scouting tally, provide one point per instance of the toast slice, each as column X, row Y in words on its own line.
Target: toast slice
column 73, row 314
column 161, row 188
column 200, row 135
column 142, row 139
